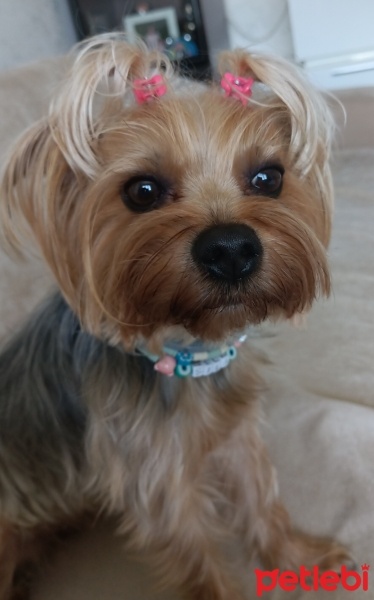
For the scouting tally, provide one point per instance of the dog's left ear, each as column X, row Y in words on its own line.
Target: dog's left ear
column 311, row 126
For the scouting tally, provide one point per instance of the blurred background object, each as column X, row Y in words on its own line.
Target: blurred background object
column 331, row 39
column 176, row 27
column 34, row 29
column 45, row 28
column 334, row 41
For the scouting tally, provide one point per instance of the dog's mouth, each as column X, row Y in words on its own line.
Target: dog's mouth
column 220, row 316
column 215, row 300
column 222, row 307
column 225, row 304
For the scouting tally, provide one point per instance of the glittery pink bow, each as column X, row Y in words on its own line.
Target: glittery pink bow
column 146, row 89
column 238, row 87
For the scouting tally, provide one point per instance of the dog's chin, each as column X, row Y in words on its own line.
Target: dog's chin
column 218, row 323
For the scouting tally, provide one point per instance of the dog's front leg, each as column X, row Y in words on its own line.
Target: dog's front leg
column 184, row 545
column 259, row 518
column 194, row 565
column 20, row 552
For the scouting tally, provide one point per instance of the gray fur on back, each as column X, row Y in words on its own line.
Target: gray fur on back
column 43, row 412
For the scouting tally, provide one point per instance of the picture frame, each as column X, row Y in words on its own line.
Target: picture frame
column 153, row 27
column 206, row 24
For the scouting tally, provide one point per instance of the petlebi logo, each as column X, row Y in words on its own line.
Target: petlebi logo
column 312, row 580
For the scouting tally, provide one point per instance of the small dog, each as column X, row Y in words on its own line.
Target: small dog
column 173, row 216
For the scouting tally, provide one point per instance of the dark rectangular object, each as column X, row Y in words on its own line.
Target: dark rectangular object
column 177, row 27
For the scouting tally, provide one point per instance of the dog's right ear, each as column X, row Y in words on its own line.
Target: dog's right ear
column 22, row 182
column 61, row 152
column 54, row 161
column 39, row 193
column 100, row 84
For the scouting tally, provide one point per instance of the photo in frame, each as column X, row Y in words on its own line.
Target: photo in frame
column 154, row 27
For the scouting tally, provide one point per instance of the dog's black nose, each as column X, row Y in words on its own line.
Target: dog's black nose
column 228, row 253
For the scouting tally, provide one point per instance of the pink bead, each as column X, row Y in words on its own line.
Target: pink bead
column 166, row 365
column 147, row 89
column 238, row 87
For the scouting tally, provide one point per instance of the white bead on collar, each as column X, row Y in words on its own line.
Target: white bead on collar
column 195, row 360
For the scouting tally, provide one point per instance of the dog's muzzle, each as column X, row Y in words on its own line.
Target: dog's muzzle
column 228, row 253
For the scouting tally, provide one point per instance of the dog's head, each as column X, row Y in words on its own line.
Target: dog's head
column 193, row 209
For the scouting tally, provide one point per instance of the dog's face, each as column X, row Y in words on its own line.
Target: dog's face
column 196, row 214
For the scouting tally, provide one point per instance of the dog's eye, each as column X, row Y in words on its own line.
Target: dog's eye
column 142, row 195
column 268, row 181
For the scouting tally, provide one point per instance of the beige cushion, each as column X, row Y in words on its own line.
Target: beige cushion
column 320, row 402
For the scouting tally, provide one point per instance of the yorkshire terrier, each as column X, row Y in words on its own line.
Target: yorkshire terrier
column 174, row 216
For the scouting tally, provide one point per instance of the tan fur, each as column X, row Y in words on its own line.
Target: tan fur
column 199, row 477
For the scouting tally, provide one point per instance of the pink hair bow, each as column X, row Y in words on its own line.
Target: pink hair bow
column 146, row 89
column 238, row 87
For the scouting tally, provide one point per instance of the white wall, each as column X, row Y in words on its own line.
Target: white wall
column 346, row 28
column 262, row 25
column 33, row 29
column 344, row 54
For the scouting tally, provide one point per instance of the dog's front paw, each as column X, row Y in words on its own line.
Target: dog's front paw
column 310, row 551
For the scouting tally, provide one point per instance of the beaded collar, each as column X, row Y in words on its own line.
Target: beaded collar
column 195, row 360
